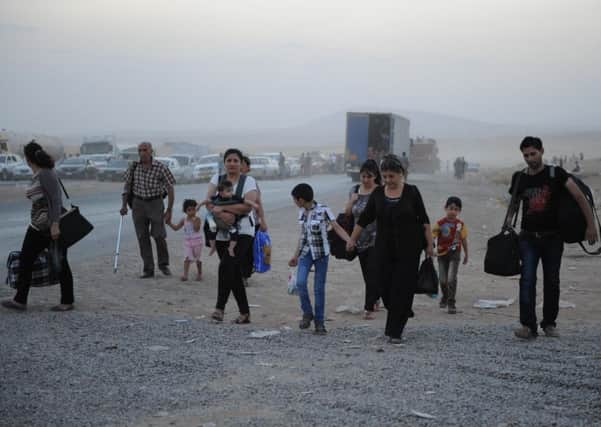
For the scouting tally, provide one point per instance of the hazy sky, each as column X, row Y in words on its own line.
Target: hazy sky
column 85, row 65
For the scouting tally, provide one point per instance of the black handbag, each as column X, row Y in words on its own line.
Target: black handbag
column 427, row 278
column 73, row 225
column 502, row 250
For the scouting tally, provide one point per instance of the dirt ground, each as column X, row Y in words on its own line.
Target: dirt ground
column 98, row 289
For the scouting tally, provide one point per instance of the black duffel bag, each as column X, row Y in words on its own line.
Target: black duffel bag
column 503, row 250
column 503, row 254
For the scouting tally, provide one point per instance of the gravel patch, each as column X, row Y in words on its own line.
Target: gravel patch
column 84, row 369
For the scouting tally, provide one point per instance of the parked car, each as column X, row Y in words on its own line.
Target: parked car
column 174, row 166
column 99, row 160
column 207, row 166
column 77, row 167
column 293, row 165
column 21, row 171
column 472, row 167
column 7, row 162
column 276, row 157
column 263, row 167
column 187, row 163
column 113, row 171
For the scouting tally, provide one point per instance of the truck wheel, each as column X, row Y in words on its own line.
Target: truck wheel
column 4, row 175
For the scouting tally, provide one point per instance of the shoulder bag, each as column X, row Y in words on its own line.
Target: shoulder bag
column 73, row 225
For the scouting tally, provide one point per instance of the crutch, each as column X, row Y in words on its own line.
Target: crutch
column 118, row 244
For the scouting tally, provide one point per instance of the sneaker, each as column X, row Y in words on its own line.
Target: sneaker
column 452, row 309
column 320, row 329
column 442, row 303
column 395, row 341
column 524, row 332
column 551, row 332
column 305, row 321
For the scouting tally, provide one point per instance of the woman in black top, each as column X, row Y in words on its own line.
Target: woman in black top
column 403, row 232
column 43, row 231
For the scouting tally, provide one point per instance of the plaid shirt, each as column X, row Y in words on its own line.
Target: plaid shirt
column 314, row 230
column 152, row 182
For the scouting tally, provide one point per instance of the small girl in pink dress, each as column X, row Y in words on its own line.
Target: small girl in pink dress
column 192, row 238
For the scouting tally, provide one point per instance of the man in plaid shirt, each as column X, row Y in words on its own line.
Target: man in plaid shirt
column 147, row 182
column 313, row 249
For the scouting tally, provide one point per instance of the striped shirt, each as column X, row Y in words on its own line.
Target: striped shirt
column 46, row 199
column 148, row 183
column 314, row 230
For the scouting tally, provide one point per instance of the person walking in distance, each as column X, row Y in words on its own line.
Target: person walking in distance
column 539, row 191
column 148, row 182
column 451, row 235
column 44, row 229
column 402, row 233
column 358, row 197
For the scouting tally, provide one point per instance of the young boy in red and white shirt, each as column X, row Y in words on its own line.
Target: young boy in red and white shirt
column 451, row 235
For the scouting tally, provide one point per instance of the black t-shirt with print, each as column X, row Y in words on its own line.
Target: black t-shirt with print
column 540, row 196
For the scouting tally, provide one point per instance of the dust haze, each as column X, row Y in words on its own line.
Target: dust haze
column 266, row 74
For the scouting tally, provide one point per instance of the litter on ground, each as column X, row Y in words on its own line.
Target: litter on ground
column 263, row 334
column 493, row 303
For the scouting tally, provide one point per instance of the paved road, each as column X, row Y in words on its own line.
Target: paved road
column 102, row 208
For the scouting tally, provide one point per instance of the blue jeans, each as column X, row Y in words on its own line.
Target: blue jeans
column 319, row 286
column 548, row 250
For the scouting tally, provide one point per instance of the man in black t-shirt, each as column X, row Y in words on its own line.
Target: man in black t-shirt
column 539, row 190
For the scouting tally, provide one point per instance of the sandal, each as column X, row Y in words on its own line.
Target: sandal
column 183, row 279
column 368, row 315
column 217, row 315
column 242, row 319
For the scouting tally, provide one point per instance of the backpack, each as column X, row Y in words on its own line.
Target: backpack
column 572, row 222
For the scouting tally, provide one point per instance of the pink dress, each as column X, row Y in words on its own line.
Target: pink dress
column 192, row 242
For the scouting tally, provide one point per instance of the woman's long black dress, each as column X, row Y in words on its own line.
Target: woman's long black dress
column 400, row 239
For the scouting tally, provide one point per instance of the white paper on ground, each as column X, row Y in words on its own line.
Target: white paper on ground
column 493, row 303
column 263, row 334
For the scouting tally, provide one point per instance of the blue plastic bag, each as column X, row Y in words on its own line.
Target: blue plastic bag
column 262, row 252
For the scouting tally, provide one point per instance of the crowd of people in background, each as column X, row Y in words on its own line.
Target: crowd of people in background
column 392, row 230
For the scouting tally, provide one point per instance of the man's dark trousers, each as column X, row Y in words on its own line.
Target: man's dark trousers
column 149, row 221
column 549, row 250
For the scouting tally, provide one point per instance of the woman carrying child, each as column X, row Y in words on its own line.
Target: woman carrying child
column 192, row 238
column 229, row 273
